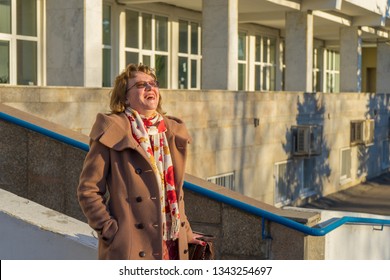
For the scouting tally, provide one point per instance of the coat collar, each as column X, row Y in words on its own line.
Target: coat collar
column 114, row 132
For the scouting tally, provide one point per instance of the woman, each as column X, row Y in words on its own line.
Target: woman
column 130, row 187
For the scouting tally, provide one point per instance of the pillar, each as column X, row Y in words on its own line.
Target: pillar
column 383, row 68
column 220, row 44
column 299, row 51
column 350, row 59
column 93, row 53
column 74, row 43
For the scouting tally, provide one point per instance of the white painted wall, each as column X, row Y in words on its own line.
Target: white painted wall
column 353, row 241
column 30, row 231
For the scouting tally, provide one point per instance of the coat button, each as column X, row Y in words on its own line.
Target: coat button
column 185, row 251
column 155, row 225
column 142, row 254
column 138, row 171
column 138, row 199
column 139, row 226
column 183, row 224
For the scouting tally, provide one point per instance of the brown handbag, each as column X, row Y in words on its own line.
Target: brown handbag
column 199, row 252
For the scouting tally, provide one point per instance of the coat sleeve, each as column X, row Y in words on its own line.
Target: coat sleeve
column 91, row 191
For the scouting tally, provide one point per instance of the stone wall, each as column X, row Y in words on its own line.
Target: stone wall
column 245, row 133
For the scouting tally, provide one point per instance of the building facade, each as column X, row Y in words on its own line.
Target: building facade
column 264, row 48
column 267, row 45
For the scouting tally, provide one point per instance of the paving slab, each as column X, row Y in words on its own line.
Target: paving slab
column 372, row 196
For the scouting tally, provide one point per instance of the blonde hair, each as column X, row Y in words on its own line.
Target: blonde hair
column 118, row 93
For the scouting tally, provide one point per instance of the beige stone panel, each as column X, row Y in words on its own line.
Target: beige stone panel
column 17, row 94
column 201, row 165
column 234, row 160
column 203, row 141
column 256, row 183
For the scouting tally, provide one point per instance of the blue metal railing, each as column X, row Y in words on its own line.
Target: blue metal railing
column 314, row 231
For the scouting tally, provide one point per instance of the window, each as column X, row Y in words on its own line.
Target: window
column 283, row 56
column 4, row 62
column 288, row 181
column 189, row 55
column 19, row 42
column 356, row 132
column 345, row 170
column 147, row 42
column 224, row 180
column 107, row 48
column 332, row 71
column 317, row 66
column 265, row 63
column 385, row 154
column 5, row 16
column 311, row 180
column 242, row 61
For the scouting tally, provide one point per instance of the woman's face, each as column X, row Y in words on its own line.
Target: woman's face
column 143, row 94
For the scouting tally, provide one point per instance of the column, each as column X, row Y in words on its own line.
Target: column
column 383, row 68
column 299, row 51
column 219, row 44
column 93, row 51
column 74, row 43
column 350, row 59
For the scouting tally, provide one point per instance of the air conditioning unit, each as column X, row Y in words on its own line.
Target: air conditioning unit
column 306, row 140
column 362, row 132
column 368, row 131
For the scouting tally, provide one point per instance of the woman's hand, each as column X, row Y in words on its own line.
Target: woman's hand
column 195, row 239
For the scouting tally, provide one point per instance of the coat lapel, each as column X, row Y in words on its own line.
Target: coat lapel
column 114, row 131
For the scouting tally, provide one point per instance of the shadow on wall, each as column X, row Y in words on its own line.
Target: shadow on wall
column 303, row 175
column 375, row 129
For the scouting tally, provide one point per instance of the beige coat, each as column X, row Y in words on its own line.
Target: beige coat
column 118, row 191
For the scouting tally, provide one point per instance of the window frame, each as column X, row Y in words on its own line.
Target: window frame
column 152, row 53
column 385, row 154
column 318, row 61
column 331, row 71
column 344, row 178
column 265, row 64
column 13, row 38
column 243, row 62
column 296, row 168
column 108, row 47
column 230, row 176
column 189, row 55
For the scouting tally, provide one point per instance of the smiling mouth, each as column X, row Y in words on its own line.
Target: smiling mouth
column 150, row 97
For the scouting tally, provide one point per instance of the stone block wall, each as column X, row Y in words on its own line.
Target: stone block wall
column 245, row 133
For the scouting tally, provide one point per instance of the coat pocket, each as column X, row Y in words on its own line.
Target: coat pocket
column 109, row 231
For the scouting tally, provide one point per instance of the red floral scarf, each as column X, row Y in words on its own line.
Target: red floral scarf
column 150, row 134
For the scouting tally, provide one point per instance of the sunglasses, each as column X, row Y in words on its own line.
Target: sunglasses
column 144, row 84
